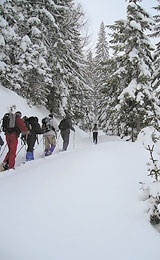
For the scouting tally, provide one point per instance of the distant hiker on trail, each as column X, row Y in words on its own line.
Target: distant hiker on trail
column 12, row 134
column 95, row 133
column 65, row 126
column 50, row 128
column 34, row 129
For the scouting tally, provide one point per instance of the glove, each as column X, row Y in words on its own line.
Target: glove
column 24, row 136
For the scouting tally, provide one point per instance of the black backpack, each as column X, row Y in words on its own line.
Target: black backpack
column 33, row 125
column 95, row 128
column 9, row 123
column 63, row 124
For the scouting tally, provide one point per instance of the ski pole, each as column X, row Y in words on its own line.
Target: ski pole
column 44, row 146
column 37, row 139
column 20, row 149
column 74, row 137
column 100, row 135
column 57, row 141
column 38, row 143
column 3, row 150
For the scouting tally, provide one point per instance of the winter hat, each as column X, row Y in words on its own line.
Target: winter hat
column 68, row 115
column 18, row 114
column 50, row 115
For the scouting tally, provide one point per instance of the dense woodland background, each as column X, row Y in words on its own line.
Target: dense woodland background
column 43, row 58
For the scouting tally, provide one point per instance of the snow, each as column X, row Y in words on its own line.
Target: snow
column 3, row 23
column 2, row 41
column 135, row 25
column 35, row 31
column 2, row 65
column 34, row 20
column 25, row 42
column 85, row 203
column 50, row 16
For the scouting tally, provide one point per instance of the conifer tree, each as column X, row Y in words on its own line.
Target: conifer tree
column 101, row 59
column 90, row 62
column 156, row 74
column 102, row 50
column 66, row 60
column 90, row 93
column 29, row 73
column 8, row 44
column 47, row 65
column 110, row 87
column 133, row 105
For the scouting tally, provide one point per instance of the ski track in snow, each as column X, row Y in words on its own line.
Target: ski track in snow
column 90, row 206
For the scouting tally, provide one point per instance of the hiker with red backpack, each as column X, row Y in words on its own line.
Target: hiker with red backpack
column 12, row 133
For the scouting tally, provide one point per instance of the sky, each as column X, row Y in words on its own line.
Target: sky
column 85, row 203
column 107, row 11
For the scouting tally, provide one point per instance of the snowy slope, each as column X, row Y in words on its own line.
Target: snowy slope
column 83, row 204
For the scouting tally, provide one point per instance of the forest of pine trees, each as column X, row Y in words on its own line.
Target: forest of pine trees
column 43, row 59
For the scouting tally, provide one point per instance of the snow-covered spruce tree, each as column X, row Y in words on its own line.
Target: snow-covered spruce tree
column 113, row 81
column 90, row 101
column 136, row 106
column 67, row 64
column 8, row 44
column 90, row 69
column 29, row 73
column 32, row 55
column 49, row 66
column 100, row 60
column 156, row 74
column 102, row 50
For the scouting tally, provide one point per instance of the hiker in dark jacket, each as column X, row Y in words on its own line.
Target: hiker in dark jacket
column 12, row 141
column 34, row 130
column 65, row 126
column 95, row 133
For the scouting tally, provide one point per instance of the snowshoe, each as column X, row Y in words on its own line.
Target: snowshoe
column 47, row 152
column 3, row 167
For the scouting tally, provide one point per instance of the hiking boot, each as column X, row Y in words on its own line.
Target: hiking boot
column 52, row 148
column 5, row 166
column 29, row 156
column 47, row 152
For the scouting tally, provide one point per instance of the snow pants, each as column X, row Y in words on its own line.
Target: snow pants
column 65, row 136
column 95, row 137
column 12, row 142
column 31, row 139
column 50, row 141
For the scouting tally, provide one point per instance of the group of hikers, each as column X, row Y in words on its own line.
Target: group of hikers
column 29, row 128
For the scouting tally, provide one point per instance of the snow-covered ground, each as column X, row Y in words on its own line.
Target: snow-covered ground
column 82, row 204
